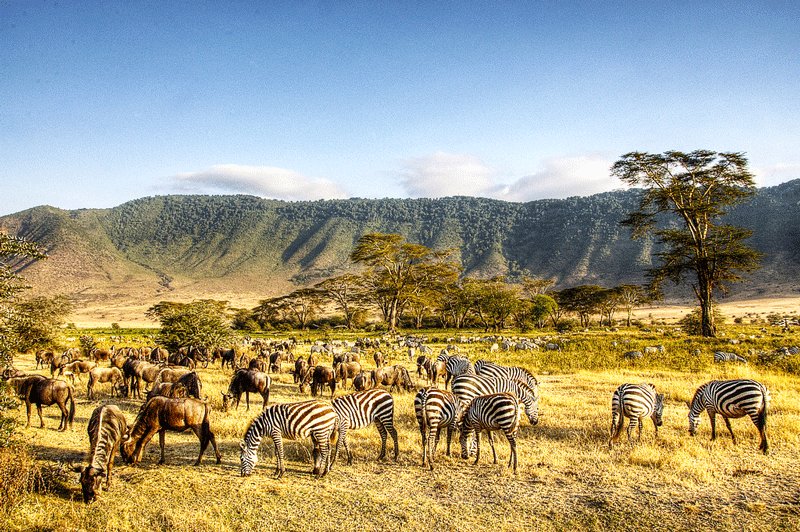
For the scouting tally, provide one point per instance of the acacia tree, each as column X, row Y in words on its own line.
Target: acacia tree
column 630, row 297
column 696, row 187
column 347, row 293
column 399, row 271
column 14, row 252
column 494, row 301
column 204, row 323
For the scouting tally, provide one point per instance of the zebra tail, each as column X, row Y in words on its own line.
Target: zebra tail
column 762, row 415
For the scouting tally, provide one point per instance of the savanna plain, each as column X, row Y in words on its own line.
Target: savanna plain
column 567, row 478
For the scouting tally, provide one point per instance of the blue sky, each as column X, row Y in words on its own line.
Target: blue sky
column 104, row 102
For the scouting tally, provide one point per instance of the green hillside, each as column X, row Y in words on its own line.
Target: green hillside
column 227, row 245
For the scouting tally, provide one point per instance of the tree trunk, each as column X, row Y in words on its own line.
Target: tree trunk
column 708, row 328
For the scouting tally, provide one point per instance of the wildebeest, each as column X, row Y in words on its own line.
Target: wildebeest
column 258, row 364
column 300, row 370
column 101, row 355
column 247, row 381
column 41, row 391
column 392, row 376
column 107, row 426
column 161, row 414
column 379, row 359
column 139, row 370
column 361, row 381
column 112, row 375
column 228, row 357
column 320, row 376
column 43, row 358
column 189, row 384
column 425, row 368
column 347, row 370
column 76, row 367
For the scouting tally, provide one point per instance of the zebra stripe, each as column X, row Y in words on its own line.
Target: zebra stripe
column 731, row 399
column 294, row 421
column 722, row 356
column 466, row 387
column 516, row 373
column 636, row 402
column 435, row 409
column 357, row 411
column 499, row 411
column 457, row 366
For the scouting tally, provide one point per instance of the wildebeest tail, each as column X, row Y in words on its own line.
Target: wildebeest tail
column 71, row 398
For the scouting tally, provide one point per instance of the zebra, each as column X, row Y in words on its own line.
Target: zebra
column 635, row 401
column 467, row 387
column 722, row 356
column 456, row 366
column 490, row 369
column 435, row 409
column 497, row 411
column 731, row 399
column 291, row 420
column 357, row 410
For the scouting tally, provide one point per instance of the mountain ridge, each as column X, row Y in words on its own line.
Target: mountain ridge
column 242, row 248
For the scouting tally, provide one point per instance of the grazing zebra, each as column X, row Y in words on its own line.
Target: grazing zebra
column 456, row 366
column 435, row 409
column 467, row 387
column 293, row 421
column 357, row 411
column 497, row 411
column 731, row 399
column 722, row 356
column 635, row 401
column 490, row 369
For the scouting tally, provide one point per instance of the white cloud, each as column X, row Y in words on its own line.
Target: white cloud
column 265, row 181
column 446, row 174
column 776, row 174
column 562, row 177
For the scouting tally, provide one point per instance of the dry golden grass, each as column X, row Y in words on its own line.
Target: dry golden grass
column 567, row 476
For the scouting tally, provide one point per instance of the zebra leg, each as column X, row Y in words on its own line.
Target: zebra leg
column 761, row 424
column 278, row 441
column 713, row 417
column 634, row 420
column 424, row 445
column 512, row 442
column 383, row 433
column 491, row 444
column 324, row 455
column 730, row 429
column 639, row 438
column 617, row 421
column 477, row 446
column 449, row 437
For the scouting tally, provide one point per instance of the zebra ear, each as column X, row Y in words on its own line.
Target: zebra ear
column 688, row 405
column 241, row 445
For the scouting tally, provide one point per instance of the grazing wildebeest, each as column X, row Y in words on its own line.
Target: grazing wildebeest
column 171, row 374
column 379, row 359
column 361, row 381
column 59, row 361
column 228, row 357
column 167, row 389
column 258, row 364
column 300, row 370
column 347, row 370
column 161, row 414
column 101, row 355
column 41, row 391
column 320, row 376
column 189, row 381
column 139, row 370
column 392, row 376
column 43, row 358
column 159, row 355
column 76, row 367
column 246, row 381
column 106, row 429
column 425, row 368
column 112, row 375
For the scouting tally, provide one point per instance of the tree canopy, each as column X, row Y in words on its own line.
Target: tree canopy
column 697, row 188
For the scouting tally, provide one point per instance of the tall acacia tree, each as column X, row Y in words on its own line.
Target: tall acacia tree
column 696, row 187
column 400, row 270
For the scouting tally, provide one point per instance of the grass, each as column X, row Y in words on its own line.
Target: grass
column 567, row 476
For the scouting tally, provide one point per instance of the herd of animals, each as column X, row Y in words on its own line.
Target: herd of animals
column 477, row 397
